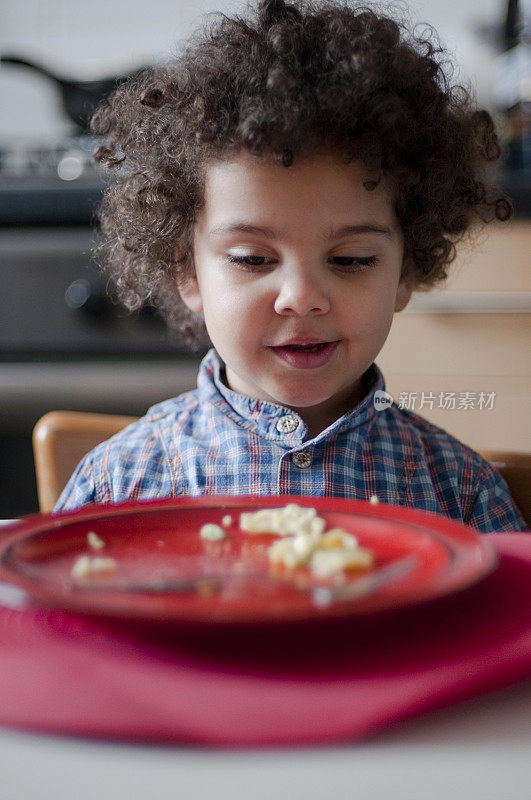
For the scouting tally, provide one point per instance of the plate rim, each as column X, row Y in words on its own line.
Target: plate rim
column 462, row 538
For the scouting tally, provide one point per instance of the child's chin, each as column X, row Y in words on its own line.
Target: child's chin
column 302, row 401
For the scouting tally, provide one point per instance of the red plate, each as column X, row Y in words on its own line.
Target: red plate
column 159, row 541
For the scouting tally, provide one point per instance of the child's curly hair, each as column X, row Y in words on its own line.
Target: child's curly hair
column 287, row 79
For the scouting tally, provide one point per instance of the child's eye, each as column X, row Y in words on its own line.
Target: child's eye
column 249, row 261
column 352, row 263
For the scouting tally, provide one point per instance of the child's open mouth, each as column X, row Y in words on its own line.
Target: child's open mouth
column 306, row 356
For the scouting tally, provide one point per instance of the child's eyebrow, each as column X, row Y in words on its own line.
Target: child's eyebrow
column 347, row 230
column 268, row 233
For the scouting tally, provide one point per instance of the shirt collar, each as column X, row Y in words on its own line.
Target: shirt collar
column 272, row 420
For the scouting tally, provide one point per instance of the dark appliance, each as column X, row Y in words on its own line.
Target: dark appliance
column 63, row 342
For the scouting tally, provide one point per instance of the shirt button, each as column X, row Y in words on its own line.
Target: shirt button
column 287, row 424
column 302, row 460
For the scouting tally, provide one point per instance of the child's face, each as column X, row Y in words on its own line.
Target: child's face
column 298, row 274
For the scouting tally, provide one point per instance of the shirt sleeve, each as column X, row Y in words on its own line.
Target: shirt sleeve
column 80, row 489
column 492, row 509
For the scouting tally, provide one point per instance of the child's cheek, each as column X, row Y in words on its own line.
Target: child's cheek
column 227, row 314
column 373, row 319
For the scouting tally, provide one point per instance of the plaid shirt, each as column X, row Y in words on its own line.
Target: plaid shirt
column 215, row 441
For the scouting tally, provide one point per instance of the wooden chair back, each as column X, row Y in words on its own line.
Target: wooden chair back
column 60, row 440
column 515, row 468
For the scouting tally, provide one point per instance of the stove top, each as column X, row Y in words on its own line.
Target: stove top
column 50, row 184
column 59, row 183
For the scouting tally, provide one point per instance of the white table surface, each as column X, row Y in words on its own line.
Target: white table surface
column 475, row 750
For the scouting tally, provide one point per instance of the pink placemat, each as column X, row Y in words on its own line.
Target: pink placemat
column 296, row 684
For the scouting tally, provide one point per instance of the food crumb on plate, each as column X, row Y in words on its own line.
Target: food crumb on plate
column 337, row 537
column 94, row 541
column 212, row 532
column 325, row 563
column 289, row 520
column 226, row 521
column 86, row 566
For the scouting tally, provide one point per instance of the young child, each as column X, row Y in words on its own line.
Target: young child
column 286, row 183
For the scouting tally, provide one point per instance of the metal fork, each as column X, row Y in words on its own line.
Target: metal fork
column 210, row 584
column 324, row 596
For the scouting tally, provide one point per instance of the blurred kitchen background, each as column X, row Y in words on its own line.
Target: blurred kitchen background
column 64, row 345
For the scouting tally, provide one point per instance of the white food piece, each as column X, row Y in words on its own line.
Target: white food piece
column 226, row 521
column 86, row 566
column 212, row 532
column 287, row 521
column 304, row 541
column 293, row 550
column 373, row 500
column 94, row 541
column 337, row 537
column 325, row 563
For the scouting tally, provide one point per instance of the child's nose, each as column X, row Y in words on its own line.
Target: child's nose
column 301, row 293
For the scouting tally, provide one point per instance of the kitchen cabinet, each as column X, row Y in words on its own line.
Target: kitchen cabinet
column 477, row 348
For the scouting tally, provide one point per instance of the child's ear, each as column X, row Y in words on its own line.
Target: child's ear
column 191, row 294
column 405, row 288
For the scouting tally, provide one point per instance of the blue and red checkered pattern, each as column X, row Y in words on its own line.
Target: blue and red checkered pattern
column 215, row 441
